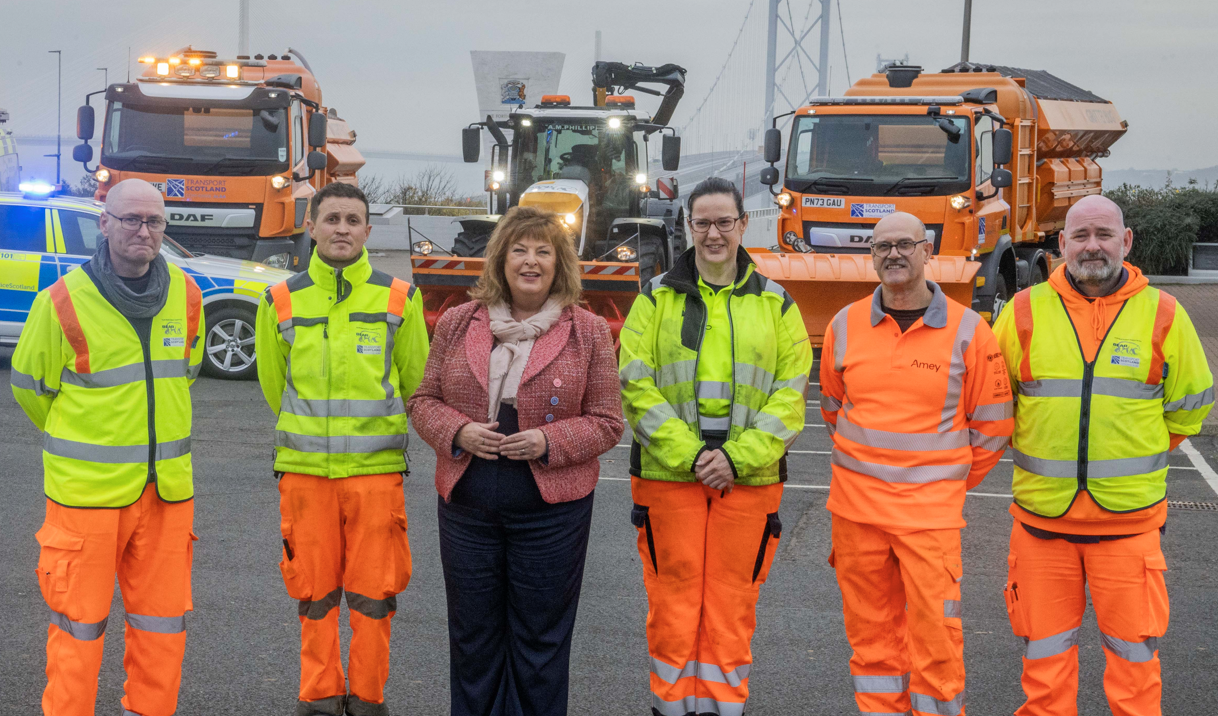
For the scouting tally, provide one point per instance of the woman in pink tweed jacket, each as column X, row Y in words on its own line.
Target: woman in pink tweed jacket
column 519, row 398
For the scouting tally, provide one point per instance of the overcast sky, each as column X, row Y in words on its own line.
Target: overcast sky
column 400, row 72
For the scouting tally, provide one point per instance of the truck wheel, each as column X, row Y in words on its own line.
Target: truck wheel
column 1001, row 296
column 651, row 261
column 228, row 344
column 1038, row 275
column 470, row 245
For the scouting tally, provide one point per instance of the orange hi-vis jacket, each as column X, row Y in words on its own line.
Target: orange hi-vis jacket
column 917, row 418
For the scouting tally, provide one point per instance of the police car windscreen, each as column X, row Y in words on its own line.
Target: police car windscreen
column 878, row 155
column 196, row 140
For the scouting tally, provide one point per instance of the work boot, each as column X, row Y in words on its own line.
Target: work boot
column 332, row 706
column 358, row 707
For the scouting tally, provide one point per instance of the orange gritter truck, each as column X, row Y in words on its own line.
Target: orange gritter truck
column 990, row 158
column 237, row 147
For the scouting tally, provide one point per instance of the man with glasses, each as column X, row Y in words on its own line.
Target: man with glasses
column 104, row 368
column 714, row 364
column 915, row 394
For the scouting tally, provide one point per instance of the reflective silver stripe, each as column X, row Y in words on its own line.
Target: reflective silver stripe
column 714, row 390
column 636, row 370
column 831, row 428
column 840, row 321
column 951, row 608
column 130, row 713
column 313, row 408
column 909, row 442
column 372, row 608
column 28, row 382
column 707, row 423
column 733, row 678
column 993, row 443
column 799, row 383
column 774, row 287
column 1188, row 402
column 674, row 373
column 652, row 420
column 920, row 474
column 338, row 444
column 993, row 411
column 829, row 403
column 113, row 454
column 774, row 426
column 390, row 335
column 1137, row 652
column 1120, row 467
column 122, row 375
column 317, row 609
column 1051, row 645
column 698, row 705
column 955, row 371
column 192, row 371
column 1120, row 388
column 157, row 625
column 931, row 705
column 81, row 631
column 1052, row 388
column 753, row 375
column 881, row 684
column 670, row 673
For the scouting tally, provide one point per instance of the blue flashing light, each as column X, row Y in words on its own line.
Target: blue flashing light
column 36, row 188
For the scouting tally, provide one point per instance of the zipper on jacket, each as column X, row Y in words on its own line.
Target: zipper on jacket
column 731, row 336
column 697, row 357
column 338, row 282
column 150, row 390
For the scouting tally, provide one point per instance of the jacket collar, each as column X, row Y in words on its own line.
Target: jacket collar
column 683, row 277
column 479, row 341
column 936, row 312
column 326, row 277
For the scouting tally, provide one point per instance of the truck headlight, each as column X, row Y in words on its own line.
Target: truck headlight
column 796, row 242
column 279, row 181
column 784, row 199
column 626, row 254
column 959, row 202
column 278, row 261
column 102, row 176
column 422, row 247
column 640, row 178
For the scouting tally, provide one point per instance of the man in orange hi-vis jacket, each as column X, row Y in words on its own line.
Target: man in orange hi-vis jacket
column 915, row 394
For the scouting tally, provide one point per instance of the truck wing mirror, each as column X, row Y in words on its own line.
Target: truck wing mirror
column 773, row 145
column 316, row 161
column 84, row 123
column 471, row 144
column 1002, row 146
column 82, row 153
column 670, row 152
column 317, row 130
column 1000, row 179
column 769, row 175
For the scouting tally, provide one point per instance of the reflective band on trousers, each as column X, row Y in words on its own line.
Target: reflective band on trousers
column 1071, row 388
column 339, row 443
column 1137, row 652
column 122, row 375
column 1120, row 467
column 705, row 672
column 951, row 608
column 881, row 684
column 317, row 609
column 372, row 608
column 696, row 705
column 314, row 408
column 908, row 442
column 157, row 625
column 113, row 454
column 1190, row 402
column 931, row 705
column 888, row 473
column 1051, row 645
column 82, row 631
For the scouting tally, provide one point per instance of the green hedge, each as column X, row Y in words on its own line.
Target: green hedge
column 1166, row 222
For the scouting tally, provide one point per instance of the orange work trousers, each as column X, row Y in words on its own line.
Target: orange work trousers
column 705, row 556
column 149, row 545
column 1046, row 595
column 901, row 602
column 342, row 535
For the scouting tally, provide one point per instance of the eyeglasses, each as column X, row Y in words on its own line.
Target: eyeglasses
column 904, row 247
column 724, row 225
column 156, row 224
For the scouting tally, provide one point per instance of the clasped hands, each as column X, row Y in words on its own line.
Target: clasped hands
column 713, row 469
column 480, row 439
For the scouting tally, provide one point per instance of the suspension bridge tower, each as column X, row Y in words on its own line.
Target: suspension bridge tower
column 793, row 39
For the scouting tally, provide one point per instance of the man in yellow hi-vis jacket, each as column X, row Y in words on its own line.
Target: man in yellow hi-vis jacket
column 1110, row 376
column 104, row 368
column 340, row 348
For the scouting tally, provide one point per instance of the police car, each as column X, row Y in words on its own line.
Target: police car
column 43, row 236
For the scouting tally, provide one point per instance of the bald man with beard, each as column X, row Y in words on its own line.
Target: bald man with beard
column 103, row 368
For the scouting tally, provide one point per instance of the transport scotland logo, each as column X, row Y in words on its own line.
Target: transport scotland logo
column 175, row 188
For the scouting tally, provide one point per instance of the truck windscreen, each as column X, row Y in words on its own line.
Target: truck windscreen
column 878, row 155
column 196, row 140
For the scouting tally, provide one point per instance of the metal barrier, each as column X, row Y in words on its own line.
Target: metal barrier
column 762, row 232
column 388, row 211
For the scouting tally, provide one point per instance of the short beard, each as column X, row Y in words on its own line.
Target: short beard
column 1090, row 275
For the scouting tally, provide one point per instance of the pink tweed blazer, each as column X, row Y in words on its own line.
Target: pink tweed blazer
column 569, row 389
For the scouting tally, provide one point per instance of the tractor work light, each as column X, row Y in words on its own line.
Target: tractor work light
column 615, row 122
column 526, row 122
column 626, row 254
column 162, row 69
column 495, row 186
column 233, row 72
column 184, row 70
column 209, row 71
column 640, row 178
column 102, row 176
column 422, row 247
column 498, row 175
column 570, row 219
column 279, row 181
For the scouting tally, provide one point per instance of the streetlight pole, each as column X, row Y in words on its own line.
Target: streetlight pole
column 107, row 71
column 968, row 26
column 58, row 117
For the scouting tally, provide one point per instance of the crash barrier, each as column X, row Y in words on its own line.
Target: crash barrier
column 763, row 227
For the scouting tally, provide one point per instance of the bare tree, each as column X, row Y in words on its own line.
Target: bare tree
column 433, row 185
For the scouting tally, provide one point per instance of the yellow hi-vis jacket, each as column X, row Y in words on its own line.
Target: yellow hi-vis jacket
column 1101, row 426
column 114, row 405
column 339, row 351
column 755, row 408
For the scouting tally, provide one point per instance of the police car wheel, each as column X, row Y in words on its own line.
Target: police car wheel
column 228, row 344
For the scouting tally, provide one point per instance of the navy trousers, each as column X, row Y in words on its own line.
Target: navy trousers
column 513, row 567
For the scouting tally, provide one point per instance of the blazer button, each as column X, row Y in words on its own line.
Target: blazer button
column 557, row 382
column 550, row 418
column 554, row 400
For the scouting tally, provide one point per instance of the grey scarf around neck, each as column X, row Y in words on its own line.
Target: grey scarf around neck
column 128, row 302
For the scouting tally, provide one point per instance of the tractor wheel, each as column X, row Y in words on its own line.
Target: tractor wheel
column 470, row 245
column 651, row 260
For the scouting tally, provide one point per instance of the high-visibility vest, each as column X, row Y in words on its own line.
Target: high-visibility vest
column 911, row 412
column 119, row 415
column 342, row 411
column 1100, row 426
column 769, row 358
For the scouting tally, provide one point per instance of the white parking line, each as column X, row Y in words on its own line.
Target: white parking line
column 1202, row 466
column 826, row 487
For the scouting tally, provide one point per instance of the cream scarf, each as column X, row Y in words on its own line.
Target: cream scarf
column 513, row 343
